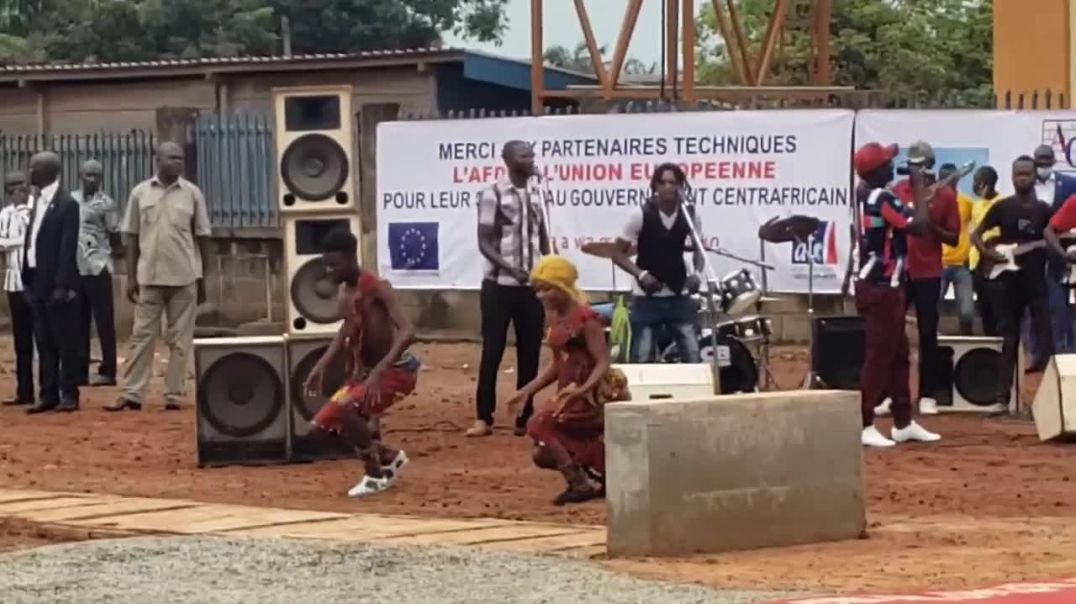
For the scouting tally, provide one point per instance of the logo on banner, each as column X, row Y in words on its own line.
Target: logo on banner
column 823, row 246
column 413, row 246
column 1061, row 135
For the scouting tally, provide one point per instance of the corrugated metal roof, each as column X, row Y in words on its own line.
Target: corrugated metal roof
column 46, row 68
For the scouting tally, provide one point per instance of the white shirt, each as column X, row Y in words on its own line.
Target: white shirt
column 13, row 222
column 38, row 205
column 631, row 235
column 1045, row 191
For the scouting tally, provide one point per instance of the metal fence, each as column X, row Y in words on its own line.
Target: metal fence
column 236, row 163
column 127, row 157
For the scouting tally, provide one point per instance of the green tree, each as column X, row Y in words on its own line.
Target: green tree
column 934, row 48
column 578, row 60
column 130, row 30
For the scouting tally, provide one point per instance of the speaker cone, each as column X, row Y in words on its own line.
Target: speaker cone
column 313, row 294
column 335, row 375
column 977, row 376
column 314, row 167
column 240, row 395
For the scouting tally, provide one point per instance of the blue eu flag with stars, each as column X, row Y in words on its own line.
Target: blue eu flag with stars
column 413, row 246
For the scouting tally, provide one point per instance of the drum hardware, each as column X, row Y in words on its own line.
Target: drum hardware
column 687, row 196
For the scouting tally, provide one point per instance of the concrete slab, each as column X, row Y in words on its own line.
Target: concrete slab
column 733, row 472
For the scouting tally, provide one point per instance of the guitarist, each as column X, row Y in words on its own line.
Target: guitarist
column 1020, row 219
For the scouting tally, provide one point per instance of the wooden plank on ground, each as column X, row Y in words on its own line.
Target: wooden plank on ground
column 17, row 508
column 8, row 495
column 551, row 545
column 369, row 527
column 480, row 536
column 103, row 509
column 202, row 518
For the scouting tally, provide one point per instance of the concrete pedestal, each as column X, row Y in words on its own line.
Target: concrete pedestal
column 733, row 472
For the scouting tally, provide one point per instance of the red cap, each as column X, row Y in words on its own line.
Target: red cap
column 872, row 156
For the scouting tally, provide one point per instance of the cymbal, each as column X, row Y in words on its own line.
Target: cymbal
column 604, row 249
column 790, row 228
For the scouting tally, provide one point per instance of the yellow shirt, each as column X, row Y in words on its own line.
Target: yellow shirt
column 957, row 256
column 978, row 212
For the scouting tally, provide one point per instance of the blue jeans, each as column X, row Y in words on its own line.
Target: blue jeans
column 964, row 292
column 654, row 315
column 1060, row 313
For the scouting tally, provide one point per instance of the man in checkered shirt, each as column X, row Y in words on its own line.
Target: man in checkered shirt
column 512, row 237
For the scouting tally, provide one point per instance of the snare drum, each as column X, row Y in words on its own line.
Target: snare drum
column 747, row 329
column 739, row 292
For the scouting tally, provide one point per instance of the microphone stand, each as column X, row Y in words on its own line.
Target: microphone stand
column 812, row 380
column 712, row 288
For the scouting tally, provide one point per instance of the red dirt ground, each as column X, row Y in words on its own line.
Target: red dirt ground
column 987, row 504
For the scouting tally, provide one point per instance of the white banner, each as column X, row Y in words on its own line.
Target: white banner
column 993, row 138
column 745, row 166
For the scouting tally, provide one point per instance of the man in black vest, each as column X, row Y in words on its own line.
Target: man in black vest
column 663, row 282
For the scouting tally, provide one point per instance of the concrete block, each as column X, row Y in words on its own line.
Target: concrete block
column 733, row 472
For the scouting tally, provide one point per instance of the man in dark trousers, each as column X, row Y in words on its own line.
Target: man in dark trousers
column 512, row 238
column 98, row 226
column 14, row 221
column 50, row 277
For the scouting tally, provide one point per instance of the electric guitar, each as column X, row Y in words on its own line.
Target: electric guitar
column 1011, row 251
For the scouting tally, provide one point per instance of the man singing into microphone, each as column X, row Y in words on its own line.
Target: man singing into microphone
column 661, row 294
column 512, row 238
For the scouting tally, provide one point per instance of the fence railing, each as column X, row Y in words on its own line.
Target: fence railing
column 127, row 157
column 236, row 162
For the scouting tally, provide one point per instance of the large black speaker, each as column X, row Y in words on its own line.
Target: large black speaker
column 837, row 351
column 313, row 307
column 303, row 353
column 241, row 393
column 970, row 374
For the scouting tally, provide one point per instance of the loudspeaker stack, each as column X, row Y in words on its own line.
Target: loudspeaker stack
column 251, row 403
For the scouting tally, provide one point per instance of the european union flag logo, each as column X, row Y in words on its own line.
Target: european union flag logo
column 413, row 246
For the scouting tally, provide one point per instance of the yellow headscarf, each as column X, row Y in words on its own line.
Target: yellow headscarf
column 560, row 273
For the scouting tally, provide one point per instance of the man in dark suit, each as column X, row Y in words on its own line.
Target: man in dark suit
column 50, row 276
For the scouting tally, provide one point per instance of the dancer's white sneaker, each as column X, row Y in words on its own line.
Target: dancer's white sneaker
column 928, row 406
column 871, row 437
column 914, row 432
column 369, row 486
column 391, row 470
column 882, row 410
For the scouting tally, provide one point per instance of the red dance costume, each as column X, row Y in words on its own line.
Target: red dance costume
column 396, row 382
column 577, row 422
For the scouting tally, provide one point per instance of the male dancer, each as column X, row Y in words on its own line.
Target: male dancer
column 661, row 294
column 880, row 292
column 512, row 237
column 376, row 334
column 1020, row 219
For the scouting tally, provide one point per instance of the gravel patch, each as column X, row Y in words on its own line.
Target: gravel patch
column 210, row 570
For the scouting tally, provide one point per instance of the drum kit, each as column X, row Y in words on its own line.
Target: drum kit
column 734, row 335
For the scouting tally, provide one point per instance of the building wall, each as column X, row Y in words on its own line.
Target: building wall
column 1032, row 47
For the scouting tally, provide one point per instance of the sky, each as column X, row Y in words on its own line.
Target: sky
column 562, row 28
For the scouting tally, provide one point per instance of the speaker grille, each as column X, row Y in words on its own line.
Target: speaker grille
column 240, row 395
column 313, row 294
column 334, row 378
column 314, row 167
column 837, row 350
column 315, row 112
column 977, row 376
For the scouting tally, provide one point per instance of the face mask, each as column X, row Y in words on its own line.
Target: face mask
column 1044, row 173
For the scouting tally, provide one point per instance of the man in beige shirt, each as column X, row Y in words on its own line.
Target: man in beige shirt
column 167, row 227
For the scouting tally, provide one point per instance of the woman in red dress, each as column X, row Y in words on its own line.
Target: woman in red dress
column 568, row 430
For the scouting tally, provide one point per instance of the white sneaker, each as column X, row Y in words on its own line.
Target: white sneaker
column 369, row 486
column 914, row 431
column 391, row 471
column 928, row 406
column 871, row 437
column 882, row 410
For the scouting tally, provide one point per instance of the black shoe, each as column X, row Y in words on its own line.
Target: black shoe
column 67, row 405
column 521, row 426
column 123, row 404
column 171, row 406
column 576, row 496
column 42, row 407
column 102, row 380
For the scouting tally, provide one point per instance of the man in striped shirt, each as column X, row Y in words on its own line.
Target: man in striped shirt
column 512, row 238
column 14, row 220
